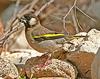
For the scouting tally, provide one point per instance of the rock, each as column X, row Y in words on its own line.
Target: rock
column 93, row 42
column 7, row 68
column 20, row 56
column 51, row 68
column 90, row 43
column 82, row 61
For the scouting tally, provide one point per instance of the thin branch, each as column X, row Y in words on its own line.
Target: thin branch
column 74, row 21
column 24, row 8
column 64, row 18
column 78, row 20
column 16, row 7
column 13, row 19
column 5, row 37
column 85, row 13
column 28, row 6
column 27, row 9
column 33, row 4
column 43, row 7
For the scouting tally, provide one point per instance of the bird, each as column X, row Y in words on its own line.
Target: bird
column 36, row 33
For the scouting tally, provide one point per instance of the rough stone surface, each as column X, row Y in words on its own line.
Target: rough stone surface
column 52, row 68
column 7, row 68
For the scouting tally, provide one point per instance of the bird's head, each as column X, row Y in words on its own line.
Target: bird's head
column 28, row 21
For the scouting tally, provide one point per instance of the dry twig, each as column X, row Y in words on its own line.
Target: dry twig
column 64, row 18
column 74, row 21
column 74, row 17
column 16, row 7
column 78, row 21
column 85, row 14
column 43, row 7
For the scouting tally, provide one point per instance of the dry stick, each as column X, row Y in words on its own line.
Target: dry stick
column 14, row 18
column 29, row 7
column 11, row 32
column 10, row 22
column 43, row 7
column 4, row 41
column 33, row 4
column 85, row 13
column 78, row 21
column 64, row 18
column 14, row 15
column 24, row 8
column 79, row 24
column 16, row 7
column 74, row 21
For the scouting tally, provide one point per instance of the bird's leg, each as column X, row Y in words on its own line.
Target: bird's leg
column 48, row 61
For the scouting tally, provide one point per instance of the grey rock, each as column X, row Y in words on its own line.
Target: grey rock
column 7, row 68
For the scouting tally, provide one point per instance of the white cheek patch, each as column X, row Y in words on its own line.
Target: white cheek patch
column 32, row 21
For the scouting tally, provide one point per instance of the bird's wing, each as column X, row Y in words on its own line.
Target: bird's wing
column 40, row 30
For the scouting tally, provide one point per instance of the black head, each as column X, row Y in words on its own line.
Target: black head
column 28, row 20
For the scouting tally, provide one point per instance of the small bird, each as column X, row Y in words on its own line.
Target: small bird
column 36, row 33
